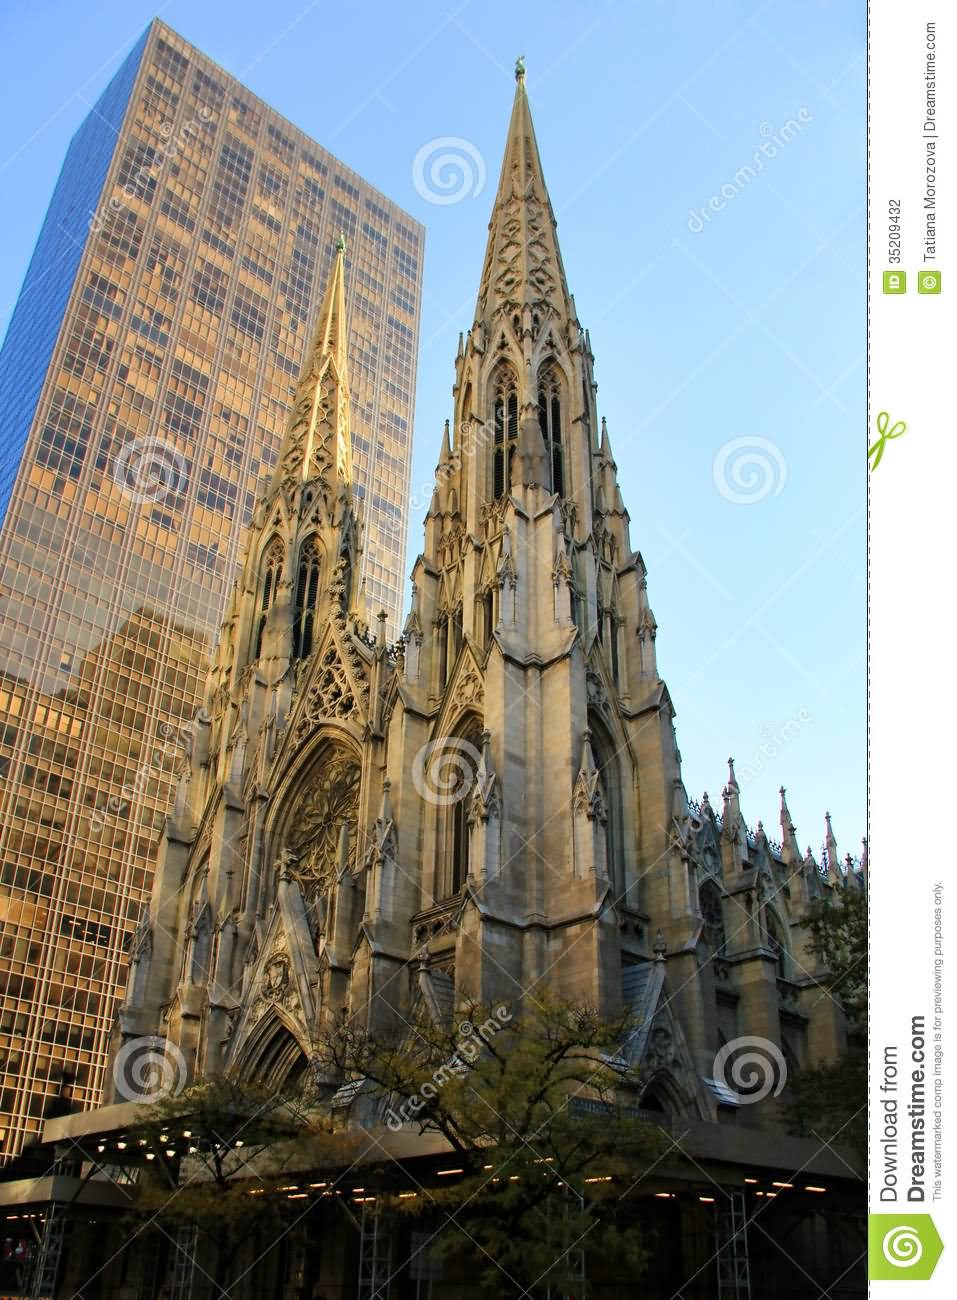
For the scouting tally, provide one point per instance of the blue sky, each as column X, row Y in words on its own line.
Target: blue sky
column 742, row 335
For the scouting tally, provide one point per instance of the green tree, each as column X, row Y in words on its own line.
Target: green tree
column 828, row 1099
column 218, row 1157
column 533, row 1107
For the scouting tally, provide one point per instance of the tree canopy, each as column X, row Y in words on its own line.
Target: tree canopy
column 538, row 1110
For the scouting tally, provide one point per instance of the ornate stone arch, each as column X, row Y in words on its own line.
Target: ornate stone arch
column 318, row 808
column 663, row 1094
column 272, row 1056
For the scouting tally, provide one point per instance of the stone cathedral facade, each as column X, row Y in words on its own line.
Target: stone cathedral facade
column 495, row 801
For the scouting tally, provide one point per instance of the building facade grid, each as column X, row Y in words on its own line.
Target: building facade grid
column 146, row 379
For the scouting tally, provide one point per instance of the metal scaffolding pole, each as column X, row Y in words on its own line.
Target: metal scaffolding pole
column 572, row 1259
column 375, row 1255
column 731, row 1229
column 184, row 1263
column 49, row 1254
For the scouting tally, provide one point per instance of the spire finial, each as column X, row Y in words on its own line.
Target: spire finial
column 311, row 438
column 520, row 68
column 340, row 242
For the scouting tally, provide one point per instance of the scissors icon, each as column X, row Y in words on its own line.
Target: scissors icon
column 877, row 451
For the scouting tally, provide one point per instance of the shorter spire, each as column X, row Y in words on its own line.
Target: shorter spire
column 605, row 440
column 834, row 872
column 385, row 810
column 445, row 454
column 789, row 842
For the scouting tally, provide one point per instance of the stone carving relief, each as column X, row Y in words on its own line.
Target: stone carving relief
column 468, row 690
column 662, row 1051
column 276, row 985
column 331, row 694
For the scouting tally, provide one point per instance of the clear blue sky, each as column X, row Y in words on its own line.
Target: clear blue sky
column 750, row 328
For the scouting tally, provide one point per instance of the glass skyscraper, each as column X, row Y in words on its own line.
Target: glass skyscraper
column 144, row 384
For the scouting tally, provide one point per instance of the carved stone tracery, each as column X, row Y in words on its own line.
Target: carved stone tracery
column 330, row 799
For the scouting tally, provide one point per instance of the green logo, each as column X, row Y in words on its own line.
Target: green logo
column 886, row 433
column 928, row 282
column 895, row 281
column 902, row 1247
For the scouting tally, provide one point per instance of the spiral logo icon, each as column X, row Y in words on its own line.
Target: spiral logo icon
column 148, row 1069
column 751, row 1068
column 443, row 771
column 747, row 470
column 902, row 1246
column 448, row 170
column 149, row 469
column 466, row 1028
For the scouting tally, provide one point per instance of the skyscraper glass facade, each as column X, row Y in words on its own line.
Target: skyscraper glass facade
column 144, row 384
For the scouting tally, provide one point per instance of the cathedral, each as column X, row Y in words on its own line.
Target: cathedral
column 495, row 801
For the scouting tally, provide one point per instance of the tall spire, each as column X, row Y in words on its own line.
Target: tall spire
column 317, row 442
column 523, row 265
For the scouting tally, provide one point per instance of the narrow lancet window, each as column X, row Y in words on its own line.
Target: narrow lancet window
column 505, row 431
column 307, row 589
column 550, row 423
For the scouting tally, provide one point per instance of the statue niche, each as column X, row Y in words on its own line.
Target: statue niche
column 328, row 800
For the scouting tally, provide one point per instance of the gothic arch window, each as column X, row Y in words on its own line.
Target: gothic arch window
column 268, row 586
column 712, row 912
column 488, row 615
column 197, row 949
column 457, row 636
column 200, row 948
column 461, row 763
column 775, row 941
column 307, row 589
column 550, row 423
column 442, row 647
column 505, row 436
column 608, row 776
